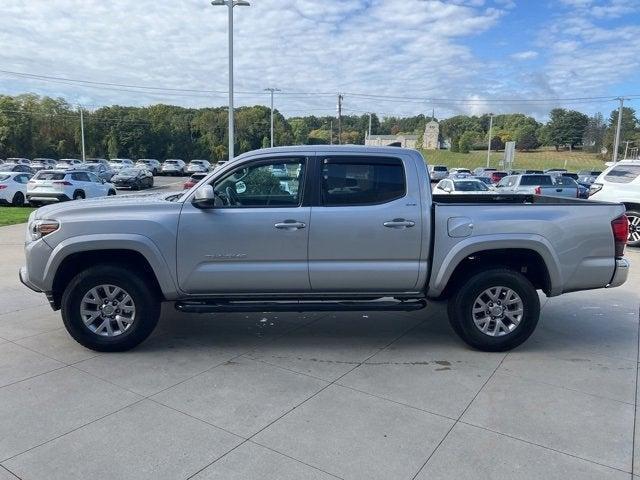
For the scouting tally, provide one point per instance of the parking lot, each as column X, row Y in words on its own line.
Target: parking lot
column 352, row 396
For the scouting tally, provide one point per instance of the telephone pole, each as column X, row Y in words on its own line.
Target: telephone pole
column 489, row 146
column 617, row 141
column 271, row 90
column 331, row 132
column 340, row 97
column 82, row 133
column 626, row 147
column 369, row 134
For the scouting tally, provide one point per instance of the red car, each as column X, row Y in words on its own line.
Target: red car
column 194, row 179
column 497, row 176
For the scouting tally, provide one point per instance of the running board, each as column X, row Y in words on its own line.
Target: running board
column 299, row 306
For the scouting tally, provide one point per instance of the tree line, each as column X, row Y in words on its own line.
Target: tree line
column 34, row 126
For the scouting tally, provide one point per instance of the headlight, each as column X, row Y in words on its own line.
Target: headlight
column 42, row 228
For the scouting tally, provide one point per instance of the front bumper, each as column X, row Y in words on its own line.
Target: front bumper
column 620, row 274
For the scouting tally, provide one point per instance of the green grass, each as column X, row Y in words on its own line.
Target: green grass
column 538, row 159
column 13, row 215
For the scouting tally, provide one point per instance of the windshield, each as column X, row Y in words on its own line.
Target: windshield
column 538, row 180
column 171, row 161
column 49, row 176
column 439, row 168
column 470, row 186
column 623, row 174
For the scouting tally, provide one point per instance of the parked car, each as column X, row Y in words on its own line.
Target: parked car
column 219, row 164
column 483, row 171
column 466, row 185
column 193, row 180
column 588, row 176
column 15, row 167
column 621, row 183
column 459, row 176
column 486, row 181
column 568, row 182
column 236, row 244
column 133, row 178
column 49, row 186
column 497, row 176
column 102, row 161
column 460, row 170
column 13, row 188
column 118, row 163
column 104, row 172
column 536, row 184
column 438, row 172
column 198, row 166
column 65, row 163
column 151, row 164
column 38, row 164
column 174, row 166
column 19, row 160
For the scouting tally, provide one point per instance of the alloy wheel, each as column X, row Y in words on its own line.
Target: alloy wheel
column 497, row 311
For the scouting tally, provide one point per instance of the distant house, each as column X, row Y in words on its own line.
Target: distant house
column 401, row 140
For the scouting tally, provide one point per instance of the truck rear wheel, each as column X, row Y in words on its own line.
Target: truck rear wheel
column 495, row 310
column 109, row 308
column 634, row 228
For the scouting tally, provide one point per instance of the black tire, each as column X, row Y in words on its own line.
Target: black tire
column 633, row 216
column 145, row 298
column 35, row 204
column 111, row 193
column 78, row 195
column 461, row 305
column 18, row 199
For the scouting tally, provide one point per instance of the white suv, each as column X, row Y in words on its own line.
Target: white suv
column 621, row 183
column 13, row 187
column 60, row 185
column 174, row 166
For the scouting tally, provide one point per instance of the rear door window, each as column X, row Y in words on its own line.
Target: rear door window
column 361, row 181
column 623, row 174
column 542, row 180
column 80, row 177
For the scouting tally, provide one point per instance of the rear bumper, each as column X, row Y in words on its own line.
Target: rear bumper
column 23, row 274
column 47, row 197
column 620, row 274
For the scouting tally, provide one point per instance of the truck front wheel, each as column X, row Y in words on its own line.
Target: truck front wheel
column 109, row 308
column 495, row 310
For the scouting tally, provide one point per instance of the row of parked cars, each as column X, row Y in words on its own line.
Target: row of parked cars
column 619, row 182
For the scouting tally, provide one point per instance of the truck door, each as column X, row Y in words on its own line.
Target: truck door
column 254, row 240
column 366, row 225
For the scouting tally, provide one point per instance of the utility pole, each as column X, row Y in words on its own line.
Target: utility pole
column 230, row 4
column 489, row 146
column 369, row 134
column 617, row 141
column 340, row 97
column 271, row 90
column 331, row 132
column 82, row 133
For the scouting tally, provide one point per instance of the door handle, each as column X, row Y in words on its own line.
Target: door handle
column 399, row 223
column 290, row 225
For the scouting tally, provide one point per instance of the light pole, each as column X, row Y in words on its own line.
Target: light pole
column 230, row 4
column 271, row 89
column 616, row 144
column 489, row 146
column 369, row 134
column 82, row 132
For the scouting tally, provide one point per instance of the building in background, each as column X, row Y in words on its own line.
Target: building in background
column 431, row 137
column 400, row 140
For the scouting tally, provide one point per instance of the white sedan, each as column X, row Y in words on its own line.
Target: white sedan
column 13, row 187
column 464, row 185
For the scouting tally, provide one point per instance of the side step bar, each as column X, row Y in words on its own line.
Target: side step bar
column 298, row 306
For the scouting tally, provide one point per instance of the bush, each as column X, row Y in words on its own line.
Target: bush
column 466, row 142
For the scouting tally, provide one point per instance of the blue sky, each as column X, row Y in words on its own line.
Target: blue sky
column 487, row 55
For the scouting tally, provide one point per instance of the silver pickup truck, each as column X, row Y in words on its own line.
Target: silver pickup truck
column 319, row 228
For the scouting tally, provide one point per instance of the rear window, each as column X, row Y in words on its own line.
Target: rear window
column 623, row 174
column 439, row 168
column 362, row 181
column 542, row 180
column 470, row 186
column 49, row 176
column 171, row 161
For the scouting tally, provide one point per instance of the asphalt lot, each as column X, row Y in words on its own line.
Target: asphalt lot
column 319, row 396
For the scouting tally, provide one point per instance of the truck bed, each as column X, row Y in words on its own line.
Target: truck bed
column 497, row 198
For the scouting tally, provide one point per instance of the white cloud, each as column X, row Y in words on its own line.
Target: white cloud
column 526, row 55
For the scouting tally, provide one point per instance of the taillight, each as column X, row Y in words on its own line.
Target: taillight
column 620, row 228
column 538, row 191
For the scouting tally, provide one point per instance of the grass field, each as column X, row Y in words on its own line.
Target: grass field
column 539, row 159
column 12, row 215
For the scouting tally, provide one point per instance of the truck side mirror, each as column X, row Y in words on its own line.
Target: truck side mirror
column 204, row 197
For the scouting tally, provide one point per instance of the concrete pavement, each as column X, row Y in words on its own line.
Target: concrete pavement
column 319, row 396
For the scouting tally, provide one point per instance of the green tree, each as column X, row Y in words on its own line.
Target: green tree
column 628, row 128
column 593, row 138
column 526, row 138
column 566, row 127
column 467, row 139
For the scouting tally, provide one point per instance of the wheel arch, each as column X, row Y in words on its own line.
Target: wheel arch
column 67, row 259
column 533, row 258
